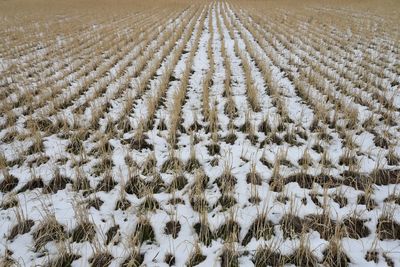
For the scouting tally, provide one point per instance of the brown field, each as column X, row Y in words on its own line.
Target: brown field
column 199, row 133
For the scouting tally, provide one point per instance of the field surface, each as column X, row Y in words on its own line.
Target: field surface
column 188, row 133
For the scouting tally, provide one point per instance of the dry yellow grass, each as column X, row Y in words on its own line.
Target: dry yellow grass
column 263, row 131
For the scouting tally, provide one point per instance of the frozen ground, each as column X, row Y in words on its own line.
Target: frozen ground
column 211, row 136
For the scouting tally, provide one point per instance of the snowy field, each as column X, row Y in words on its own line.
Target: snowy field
column 200, row 134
